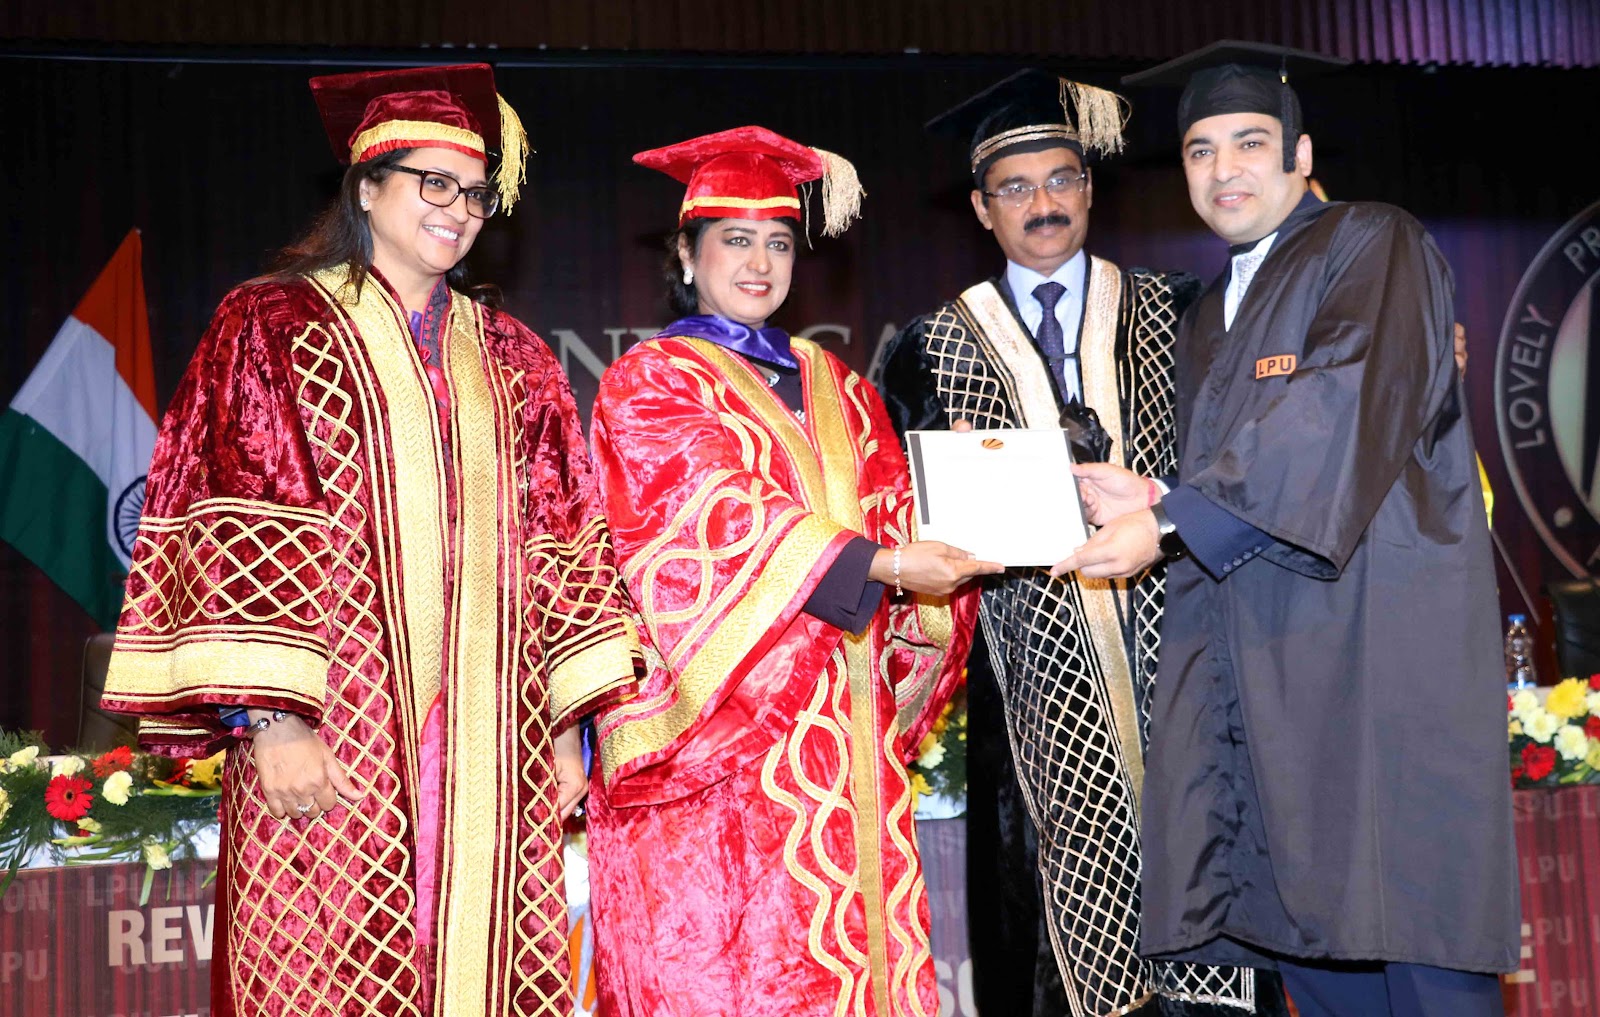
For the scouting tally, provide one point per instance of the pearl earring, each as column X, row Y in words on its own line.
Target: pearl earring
column 365, row 205
column 688, row 276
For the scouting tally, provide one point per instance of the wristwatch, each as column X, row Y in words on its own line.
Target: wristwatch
column 1172, row 545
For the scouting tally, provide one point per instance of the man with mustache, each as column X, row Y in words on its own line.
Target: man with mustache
column 1058, row 681
column 1327, row 770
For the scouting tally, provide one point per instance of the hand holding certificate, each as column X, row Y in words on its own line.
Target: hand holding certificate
column 1005, row 495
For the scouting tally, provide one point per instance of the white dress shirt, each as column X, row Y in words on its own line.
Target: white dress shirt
column 1242, row 270
column 1069, row 309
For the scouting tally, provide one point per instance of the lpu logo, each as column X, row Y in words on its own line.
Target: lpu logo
column 1272, row 367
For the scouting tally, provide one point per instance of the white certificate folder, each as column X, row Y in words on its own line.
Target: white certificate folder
column 1007, row 496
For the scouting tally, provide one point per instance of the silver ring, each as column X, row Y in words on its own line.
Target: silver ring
column 302, row 809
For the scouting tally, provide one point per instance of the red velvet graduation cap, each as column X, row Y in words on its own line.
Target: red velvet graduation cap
column 372, row 112
column 754, row 173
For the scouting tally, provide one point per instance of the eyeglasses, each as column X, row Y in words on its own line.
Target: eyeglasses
column 1017, row 195
column 438, row 189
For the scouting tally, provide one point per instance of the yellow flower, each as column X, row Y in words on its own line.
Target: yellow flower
column 92, row 825
column 1572, row 743
column 67, row 766
column 1569, row 699
column 117, row 788
column 1514, row 728
column 156, row 856
column 1593, row 758
column 919, row 784
column 205, row 772
column 925, row 746
column 5, row 804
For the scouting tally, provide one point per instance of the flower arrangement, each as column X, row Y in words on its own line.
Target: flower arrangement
column 941, row 764
column 1557, row 741
column 117, row 805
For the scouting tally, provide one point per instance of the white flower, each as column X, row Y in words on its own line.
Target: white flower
column 1571, row 742
column 933, row 757
column 156, row 857
column 117, row 787
column 5, row 804
column 1592, row 700
column 21, row 758
column 66, row 766
column 1525, row 705
column 1542, row 726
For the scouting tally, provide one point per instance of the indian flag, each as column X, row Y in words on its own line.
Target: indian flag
column 75, row 443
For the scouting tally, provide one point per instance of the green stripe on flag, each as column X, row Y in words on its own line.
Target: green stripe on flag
column 53, row 510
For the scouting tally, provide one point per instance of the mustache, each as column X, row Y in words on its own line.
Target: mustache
column 1042, row 221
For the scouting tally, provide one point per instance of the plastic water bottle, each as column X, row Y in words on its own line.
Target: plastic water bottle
column 1519, row 654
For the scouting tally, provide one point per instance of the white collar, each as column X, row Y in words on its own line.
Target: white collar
column 1072, row 273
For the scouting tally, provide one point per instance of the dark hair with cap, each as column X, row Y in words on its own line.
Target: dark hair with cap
column 1240, row 77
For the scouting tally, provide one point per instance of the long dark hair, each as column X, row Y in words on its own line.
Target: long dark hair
column 341, row 236
column 682, row 298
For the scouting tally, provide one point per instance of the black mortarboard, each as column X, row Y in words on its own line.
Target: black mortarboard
column 1033, row 110
column 1240, row 77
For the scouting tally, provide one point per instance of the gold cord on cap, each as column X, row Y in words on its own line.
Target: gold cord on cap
column 513, row 171
column 1101, row 115
column 841, row 193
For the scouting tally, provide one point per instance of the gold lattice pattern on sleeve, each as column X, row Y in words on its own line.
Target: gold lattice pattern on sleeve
column 575, row 587
column 229, row 561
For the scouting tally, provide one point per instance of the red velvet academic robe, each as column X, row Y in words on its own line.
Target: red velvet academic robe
column 318, row 538
column 752, row 845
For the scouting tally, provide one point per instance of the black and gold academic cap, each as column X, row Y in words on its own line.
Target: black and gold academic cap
column 1031, row 111
column 1240, row 77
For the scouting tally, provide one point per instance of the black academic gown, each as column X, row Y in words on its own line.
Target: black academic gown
column 1014, row 969
column 1327, row 773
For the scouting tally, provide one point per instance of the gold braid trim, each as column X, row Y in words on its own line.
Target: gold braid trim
column 205, row 666
column 1018, row 135
column 713, row 201
column 594, row 670
column 415, row 134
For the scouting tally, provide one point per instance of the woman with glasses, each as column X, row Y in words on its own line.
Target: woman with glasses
column 373, row 563
column 752, row 850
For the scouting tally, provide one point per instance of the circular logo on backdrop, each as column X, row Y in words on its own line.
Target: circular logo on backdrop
column 1547, row 392
column 125, row 515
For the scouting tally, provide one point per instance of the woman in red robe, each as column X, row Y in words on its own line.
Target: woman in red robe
column 752, row 845
column 372, row 561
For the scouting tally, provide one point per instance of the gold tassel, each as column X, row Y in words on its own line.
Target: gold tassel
column 514, row 150
column 841, row 193
column 1101, row 115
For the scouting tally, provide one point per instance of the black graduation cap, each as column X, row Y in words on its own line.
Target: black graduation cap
column 1240, row 77
column 1031, row 111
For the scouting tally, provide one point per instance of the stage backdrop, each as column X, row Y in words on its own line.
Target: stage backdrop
column 219, row 162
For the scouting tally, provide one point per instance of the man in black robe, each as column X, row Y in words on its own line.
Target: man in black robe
column 1058, row 683
column 1327, row 769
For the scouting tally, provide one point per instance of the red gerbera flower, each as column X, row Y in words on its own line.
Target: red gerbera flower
column 119, row 758
column 67, row 797
column 1594, row 682
column 1538, row 761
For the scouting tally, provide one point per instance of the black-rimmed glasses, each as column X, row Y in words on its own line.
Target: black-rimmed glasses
column 1017, row 195
column 438, row 189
